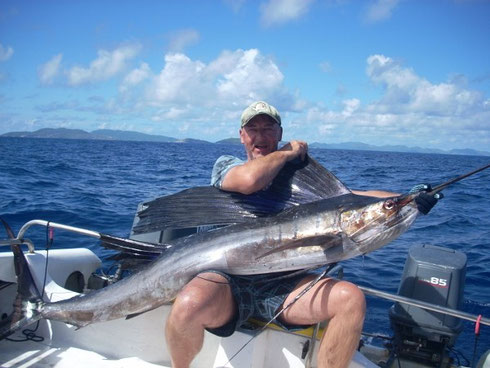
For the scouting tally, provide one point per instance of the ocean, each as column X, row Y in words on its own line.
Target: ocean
column 98, row 184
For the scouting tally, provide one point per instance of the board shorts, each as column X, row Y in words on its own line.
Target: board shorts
column 259, row 297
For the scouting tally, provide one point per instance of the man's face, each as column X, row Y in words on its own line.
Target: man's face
column 260, row 136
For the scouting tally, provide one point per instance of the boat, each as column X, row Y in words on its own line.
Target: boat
column 424, row 327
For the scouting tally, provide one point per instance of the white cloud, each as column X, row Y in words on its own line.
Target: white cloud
column 181, row 39
column 211, row 96
column 135, row 77
column 350, row 106
column 249, row 76
column 49, row 71
column 207, row 98
column 405, row 91
column 234, row 78
column 106, row 65
column 411, row 111
column 380, row 10
column 276, row 12
column 179, row 81
column 5, row 52
column 172, row 114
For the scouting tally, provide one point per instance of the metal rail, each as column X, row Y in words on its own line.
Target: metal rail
column 425, row 305
column 19, row 240
column 56, row 225
column 28, row 242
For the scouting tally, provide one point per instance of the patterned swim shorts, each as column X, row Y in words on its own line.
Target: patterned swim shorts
column 259, row 297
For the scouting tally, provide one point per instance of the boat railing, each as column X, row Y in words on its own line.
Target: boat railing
column 425, row 305
column 28, row 242
column 19, row 240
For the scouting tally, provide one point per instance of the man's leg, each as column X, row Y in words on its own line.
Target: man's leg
column 205, row 302
column 343, row 305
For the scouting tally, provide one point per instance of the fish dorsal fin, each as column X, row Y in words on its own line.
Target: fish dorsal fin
column 296, row 183
column 304, row 182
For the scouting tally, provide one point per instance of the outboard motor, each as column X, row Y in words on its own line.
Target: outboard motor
column 434, row 275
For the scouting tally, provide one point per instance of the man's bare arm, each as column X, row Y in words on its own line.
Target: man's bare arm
column 256, row 174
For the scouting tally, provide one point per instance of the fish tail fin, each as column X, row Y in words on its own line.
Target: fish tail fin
column 22, row 316
column 28, row 302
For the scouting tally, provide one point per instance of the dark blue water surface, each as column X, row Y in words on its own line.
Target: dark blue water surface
column 98, row 185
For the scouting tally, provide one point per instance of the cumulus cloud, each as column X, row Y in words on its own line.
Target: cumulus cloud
column 135, row 77
column 234, row 77
column 276, row 12
column 412, row 110
column 49, row 71
column 173, row 113
column 405, row 91
column 210, row 96
column 380, row 10
column 106, row 65
column 178, row 79
column 350, row 106
column 5, row 52
column 247, row 75
column 181, row 39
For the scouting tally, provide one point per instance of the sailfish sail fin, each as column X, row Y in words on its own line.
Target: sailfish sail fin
column 295, row 184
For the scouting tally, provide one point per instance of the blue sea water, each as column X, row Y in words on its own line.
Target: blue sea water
column 98, row 184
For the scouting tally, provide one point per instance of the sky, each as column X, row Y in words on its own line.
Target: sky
column 381, row 72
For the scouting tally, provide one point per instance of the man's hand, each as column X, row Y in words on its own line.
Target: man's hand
column 424, row 200
column 295, row 149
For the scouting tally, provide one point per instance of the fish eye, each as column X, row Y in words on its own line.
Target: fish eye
column 389, row 204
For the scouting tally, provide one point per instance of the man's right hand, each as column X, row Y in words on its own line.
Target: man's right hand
column 295, row 149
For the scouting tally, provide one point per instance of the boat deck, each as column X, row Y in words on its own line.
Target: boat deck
column 39, row 354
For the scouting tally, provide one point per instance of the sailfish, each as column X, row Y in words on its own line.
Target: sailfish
column 306, row 218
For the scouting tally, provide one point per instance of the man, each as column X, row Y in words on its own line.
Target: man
column 220, row 303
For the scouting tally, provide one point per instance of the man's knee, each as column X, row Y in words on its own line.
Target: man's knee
column 188, row 305
column 202, row 300
column 350, row 299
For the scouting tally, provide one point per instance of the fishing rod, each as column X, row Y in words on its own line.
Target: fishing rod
column 425, row 305
column 440, row 187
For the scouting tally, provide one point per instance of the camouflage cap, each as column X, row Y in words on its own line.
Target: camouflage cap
column 258, row 108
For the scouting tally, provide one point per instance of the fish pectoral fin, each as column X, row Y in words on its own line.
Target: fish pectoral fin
column 129, row 316
column 133, row 246
column 325, row 241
